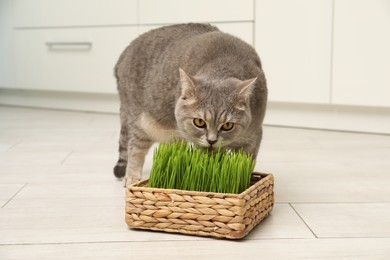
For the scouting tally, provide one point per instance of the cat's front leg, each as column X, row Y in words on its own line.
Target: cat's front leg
column 137, row 150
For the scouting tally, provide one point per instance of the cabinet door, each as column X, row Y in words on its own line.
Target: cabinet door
column 80, row 60
column 361, row 67
column 293, row 39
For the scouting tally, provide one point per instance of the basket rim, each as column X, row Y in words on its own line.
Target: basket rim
column 141, row 186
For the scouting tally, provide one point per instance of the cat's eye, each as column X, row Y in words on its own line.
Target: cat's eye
column 227, row 126
column 198, row 122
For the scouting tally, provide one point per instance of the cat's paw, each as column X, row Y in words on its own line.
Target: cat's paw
column 128, row 181
column 120, row 171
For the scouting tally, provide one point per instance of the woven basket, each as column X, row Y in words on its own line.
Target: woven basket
column 219, row 215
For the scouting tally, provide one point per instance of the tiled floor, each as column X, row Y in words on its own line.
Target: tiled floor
column 59, row 199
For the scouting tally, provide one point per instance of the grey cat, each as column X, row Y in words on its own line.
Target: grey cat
column 188, row 81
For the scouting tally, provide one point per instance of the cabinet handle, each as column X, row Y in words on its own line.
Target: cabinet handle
column 69, row 45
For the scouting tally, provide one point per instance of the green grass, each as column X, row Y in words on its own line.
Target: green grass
column 179, row 166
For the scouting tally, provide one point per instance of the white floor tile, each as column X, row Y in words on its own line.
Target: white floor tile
column 33, row 158
column 92, row 156
column 36, row 225
column 282, row 223
column 69, row 194
column 49, row 174
column 329, row 182
column 347, row 220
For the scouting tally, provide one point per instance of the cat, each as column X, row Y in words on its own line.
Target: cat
column 192, row 82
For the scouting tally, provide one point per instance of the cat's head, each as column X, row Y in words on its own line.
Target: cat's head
column 213, row 113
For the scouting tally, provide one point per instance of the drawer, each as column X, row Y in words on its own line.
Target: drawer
column 62, row 13
column 182, row 11
column 80, row 60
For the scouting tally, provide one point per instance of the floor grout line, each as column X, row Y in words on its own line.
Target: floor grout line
column 337, row 202
column 5, row 204
column 66, row 157
column 182, row 240
column 296, row 212
column 15, row 144
column 205, row 239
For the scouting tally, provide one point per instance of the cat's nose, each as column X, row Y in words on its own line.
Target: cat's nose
column 211, row 142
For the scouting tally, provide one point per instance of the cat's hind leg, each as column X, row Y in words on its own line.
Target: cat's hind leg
column 120, row 167
column 137, row 148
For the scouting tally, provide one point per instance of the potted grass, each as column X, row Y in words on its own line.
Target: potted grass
column 179, row 166
column 197, row 192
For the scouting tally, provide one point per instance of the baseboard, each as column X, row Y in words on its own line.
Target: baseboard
column 94, row 102
column 330, row 117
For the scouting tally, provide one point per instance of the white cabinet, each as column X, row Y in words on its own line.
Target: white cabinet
column 6, row 46
column 230, row 16
column 64, row 13
column 361, row 62
column 293, row 39
column 77, row 59
column 179, row 11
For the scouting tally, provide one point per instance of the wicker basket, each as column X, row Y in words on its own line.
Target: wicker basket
column 200, row 213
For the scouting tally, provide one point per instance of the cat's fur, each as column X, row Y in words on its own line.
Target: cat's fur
column 169, row 76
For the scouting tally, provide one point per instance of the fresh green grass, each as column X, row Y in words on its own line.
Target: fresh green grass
column 179, row 166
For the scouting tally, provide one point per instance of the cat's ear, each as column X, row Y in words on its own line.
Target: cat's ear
column 188, row 89
column 246, row 87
